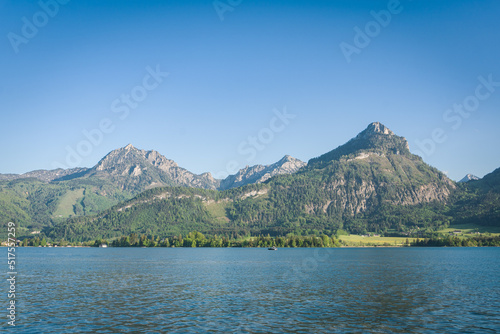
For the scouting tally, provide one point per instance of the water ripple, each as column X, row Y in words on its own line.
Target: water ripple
column 255, row 291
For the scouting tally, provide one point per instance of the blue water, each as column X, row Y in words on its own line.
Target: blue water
column 180, row 290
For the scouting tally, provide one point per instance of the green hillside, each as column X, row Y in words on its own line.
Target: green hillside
column 34, row 204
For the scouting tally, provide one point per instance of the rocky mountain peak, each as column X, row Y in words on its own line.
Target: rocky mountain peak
column 137, row 169
column 124, row 157
column 377, row 127
column 288, row 165
column 287, row 158
column 376, row 138
column 469, row 177
column 260, row 173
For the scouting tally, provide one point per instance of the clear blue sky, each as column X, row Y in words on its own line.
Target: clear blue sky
column 231, row 66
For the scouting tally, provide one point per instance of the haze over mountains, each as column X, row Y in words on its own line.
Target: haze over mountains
column 371, row 183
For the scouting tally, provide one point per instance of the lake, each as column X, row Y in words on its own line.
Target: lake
column 253, row 290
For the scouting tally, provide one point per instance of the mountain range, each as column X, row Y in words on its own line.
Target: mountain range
column 44, row 197
column 371, row 183
column 134, row 170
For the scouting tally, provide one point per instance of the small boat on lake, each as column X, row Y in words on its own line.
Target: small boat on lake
column 273, row 248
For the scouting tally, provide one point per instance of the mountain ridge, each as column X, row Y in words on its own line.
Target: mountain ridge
column 43, row 174
column 133, row 162
column 367, row 140
column 261, row 173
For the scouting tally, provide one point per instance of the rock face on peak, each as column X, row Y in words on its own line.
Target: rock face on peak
column 260, row 173
column 376, row 138
column 377, row 127
column 135, row 170
column 468, row 177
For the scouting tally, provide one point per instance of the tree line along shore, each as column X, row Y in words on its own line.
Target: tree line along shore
column 197, row 239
